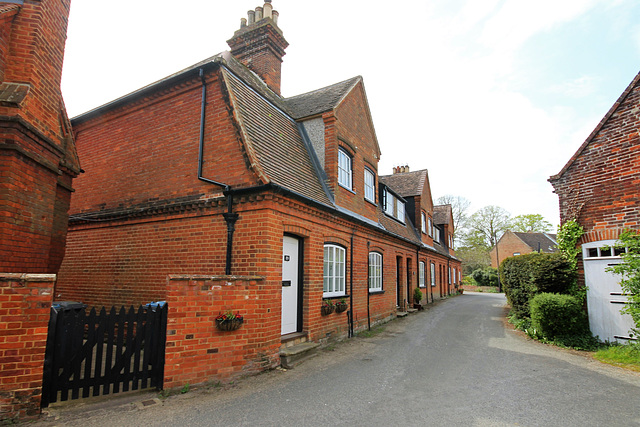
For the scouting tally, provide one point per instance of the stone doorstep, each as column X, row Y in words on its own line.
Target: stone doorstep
column 401, row 314
column 294, row 355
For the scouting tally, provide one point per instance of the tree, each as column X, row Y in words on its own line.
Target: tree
column 531, row 223
column 473, row 258
column 459, row 207
column 486, row 226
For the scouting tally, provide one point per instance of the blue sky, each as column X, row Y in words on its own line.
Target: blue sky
column 491, row 96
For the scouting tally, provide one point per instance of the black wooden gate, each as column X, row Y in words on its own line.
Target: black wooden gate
column 98, row 354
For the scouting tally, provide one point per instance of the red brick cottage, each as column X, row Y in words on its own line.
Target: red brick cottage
column 600, row 188
column 211, row 172
column 513, row 243
column 37, row 164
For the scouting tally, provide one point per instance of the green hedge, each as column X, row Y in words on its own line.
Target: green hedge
column 555, row 316
column 487, row 276
column 525, row 276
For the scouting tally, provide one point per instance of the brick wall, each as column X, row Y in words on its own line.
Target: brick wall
column 354, row 133
column 197, row 351
column 38, row 159
column 601, row 185
column 25, row 304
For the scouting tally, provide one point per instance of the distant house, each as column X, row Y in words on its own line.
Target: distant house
column 514, row 243
column 599, row 187
column 211, row 171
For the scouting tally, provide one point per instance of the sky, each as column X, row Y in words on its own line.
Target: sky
column 492, row 97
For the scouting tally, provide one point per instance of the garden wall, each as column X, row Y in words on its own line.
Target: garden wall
column 197, row 351
column 25, row 306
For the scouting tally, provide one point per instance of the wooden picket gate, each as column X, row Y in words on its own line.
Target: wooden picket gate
column 99, row 354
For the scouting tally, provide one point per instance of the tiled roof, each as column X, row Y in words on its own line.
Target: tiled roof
column 273, row 142
column 320, row 100
column 6, row 7
column 542, row 241
column 406, row 184
column 442, row 214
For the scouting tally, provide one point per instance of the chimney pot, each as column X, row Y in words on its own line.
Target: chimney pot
column 274, row 15
column 268, row 10
column 252, row 17
column 243, row 22
column 258, row 13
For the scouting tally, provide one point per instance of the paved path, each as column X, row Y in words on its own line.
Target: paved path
column 453, row 364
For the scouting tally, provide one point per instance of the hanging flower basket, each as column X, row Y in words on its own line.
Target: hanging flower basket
column 341, row 306
column 229, row 321
column 327, row 307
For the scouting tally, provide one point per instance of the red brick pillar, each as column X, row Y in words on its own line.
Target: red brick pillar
column 25, row 305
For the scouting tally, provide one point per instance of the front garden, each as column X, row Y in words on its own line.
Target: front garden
column 549, row 306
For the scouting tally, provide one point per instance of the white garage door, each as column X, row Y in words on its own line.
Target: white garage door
column 604, row 294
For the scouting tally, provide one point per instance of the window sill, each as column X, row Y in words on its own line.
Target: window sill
column 395, row 219
column 332, row 297
column 376, row 292
column 347, row 188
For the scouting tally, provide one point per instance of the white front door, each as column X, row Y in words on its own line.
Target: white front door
column 290, row 270
column 604, row 294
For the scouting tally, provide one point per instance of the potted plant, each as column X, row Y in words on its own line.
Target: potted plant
column 327, row 307
column 341, row 305
column 417, row 296
column 229, row 321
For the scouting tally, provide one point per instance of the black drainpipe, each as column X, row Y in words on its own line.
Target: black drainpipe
column 368, row 285
column 350, row 317
column 229, row 217
column 418, row 269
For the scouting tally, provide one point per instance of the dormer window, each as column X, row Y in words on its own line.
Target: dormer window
column 436, row 232
column 344, row 169
column 424, row 223
column 399, row 210
column 393, row 206
column 430, row 228
column 369, row 186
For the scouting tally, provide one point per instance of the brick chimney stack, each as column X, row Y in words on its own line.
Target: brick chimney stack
column 260, row 45
column 39, row 159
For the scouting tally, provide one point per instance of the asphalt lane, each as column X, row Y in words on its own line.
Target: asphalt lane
column 454, row 364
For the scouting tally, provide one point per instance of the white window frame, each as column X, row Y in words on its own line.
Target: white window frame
column 449, row 275
column 436, row 232
column 421, row 271
column 334, row 271
column 389, row 202
column 400, row 210
column 345, row 169
column 430, row 227
column 433, row 274
column 375, row 272
column 369, row 185
column 424, row 222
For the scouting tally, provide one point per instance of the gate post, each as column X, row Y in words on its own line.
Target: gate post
column 25, row 302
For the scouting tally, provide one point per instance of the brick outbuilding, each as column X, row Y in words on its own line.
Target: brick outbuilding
column 599, row 187
column 210, row 171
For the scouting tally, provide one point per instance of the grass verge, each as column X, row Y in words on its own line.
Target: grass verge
column 626, row 356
